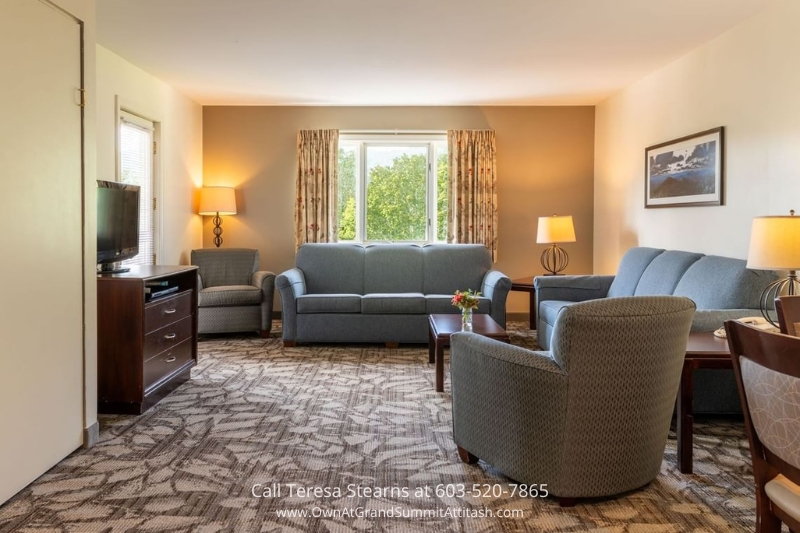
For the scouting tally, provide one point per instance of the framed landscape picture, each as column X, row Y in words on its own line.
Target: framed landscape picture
column 686, row 171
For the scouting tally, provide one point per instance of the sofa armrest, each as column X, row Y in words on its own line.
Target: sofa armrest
column 265, row 281
column 291, row 284
column 495, row 286
column 571, row 288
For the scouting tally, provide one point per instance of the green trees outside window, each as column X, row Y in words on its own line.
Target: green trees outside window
column 396, row 192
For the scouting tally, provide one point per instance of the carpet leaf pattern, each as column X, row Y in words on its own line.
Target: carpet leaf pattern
column 256, row 416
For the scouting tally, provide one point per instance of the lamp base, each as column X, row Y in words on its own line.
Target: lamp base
column 789, row 285
column 217, row 230
column 554, row 260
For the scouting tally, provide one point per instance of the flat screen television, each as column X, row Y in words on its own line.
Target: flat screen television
column 117, row 224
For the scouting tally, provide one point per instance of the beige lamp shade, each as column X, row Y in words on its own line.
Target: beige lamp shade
column 555, row 229
column 775, row 243
column 217, row 200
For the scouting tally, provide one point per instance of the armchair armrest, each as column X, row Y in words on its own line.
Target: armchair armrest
column 495, row 286
column 265, row 281
column 199, row 282
column 571, row 288
column 290, row 284
column 520, row 394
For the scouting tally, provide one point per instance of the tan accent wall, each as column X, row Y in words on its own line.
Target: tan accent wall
column 545, row 158
column 747, row 80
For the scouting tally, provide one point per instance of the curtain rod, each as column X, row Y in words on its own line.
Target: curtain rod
column 395, row 132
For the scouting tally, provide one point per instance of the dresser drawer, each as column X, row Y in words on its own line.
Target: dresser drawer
column 159, row 314
column 167, row 337
column 166, row 363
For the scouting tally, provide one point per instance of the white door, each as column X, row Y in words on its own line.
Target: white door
column 41, row 294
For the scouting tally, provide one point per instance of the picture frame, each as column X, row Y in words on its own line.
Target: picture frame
column 688, row 171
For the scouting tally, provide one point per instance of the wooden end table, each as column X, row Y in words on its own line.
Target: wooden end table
column 703, row 350
column 526, row 285
column 442, row 326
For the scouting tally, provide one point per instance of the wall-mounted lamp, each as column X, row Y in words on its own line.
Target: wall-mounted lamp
column 217, row 201
column 553, row 230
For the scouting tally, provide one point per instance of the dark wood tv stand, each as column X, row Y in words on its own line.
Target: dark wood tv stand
column 145, row 347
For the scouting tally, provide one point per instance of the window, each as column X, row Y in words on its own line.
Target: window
column 136, row 150
column 392, row 188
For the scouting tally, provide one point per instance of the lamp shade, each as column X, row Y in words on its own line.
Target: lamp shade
column 555, row 229
column 217, row 200
column 775, row 243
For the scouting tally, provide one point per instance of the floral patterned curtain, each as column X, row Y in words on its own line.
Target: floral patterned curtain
column 315, row 218
column 472, row 188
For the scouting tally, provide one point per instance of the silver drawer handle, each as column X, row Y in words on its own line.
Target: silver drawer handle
column 170, row 359
column 170, row 336
column 169, row 311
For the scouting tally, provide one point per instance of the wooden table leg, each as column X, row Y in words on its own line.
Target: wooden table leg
column 431, row 347
column 439, row 365
column 685, row 419
column 532, row 309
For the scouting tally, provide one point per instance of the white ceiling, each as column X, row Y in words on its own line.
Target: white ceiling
column 408, row 52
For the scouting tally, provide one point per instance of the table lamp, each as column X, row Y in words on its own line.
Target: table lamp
column 553, row 230
column 775, row 245
column 217, row 201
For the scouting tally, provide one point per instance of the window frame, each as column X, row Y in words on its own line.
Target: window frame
column 127, row 113
column 363, row 141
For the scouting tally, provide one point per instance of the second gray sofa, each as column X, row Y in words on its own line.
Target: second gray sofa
column 383, row 292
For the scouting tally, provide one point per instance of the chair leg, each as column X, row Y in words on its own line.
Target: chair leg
column 766, row 522
column 567, row 502
column 392, row 345
column 264, row 333
column 466, row 457
column 289, row 344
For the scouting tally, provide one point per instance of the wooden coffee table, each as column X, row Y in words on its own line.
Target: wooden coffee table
column 703, row 350
column 442, row 326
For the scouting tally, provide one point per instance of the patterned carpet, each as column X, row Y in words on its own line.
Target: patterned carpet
column 363, row 417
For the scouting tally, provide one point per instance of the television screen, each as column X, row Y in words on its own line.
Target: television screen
column 117, row 221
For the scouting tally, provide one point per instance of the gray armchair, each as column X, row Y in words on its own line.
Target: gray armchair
column 233, row 295
column 589, row 418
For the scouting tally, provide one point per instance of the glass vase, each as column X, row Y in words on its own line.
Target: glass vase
column 466, row 318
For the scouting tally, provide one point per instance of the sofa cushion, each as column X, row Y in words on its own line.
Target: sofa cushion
column 452, row 267
column 409, row 303
column 716, row 282
column 440, row 304
column 393, row 268
column 229, row 295
column 225, row 266
column 549, row 309
column 329, row 303
column 664, row 272
column 631, row 268
column 332, row 268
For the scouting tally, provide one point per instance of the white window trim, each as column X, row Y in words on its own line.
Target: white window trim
column 395, row 138
column 131, row 109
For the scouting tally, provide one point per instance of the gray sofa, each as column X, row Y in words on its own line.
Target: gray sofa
column 383, row 292
column 721, row 287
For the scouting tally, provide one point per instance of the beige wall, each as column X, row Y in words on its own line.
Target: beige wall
column 544, row 158
column 179, row 162
column 747, row 80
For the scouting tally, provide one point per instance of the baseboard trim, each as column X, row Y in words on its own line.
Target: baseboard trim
column 91, row 436
column 518, row 317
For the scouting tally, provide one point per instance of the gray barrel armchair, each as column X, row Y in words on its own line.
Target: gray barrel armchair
column 234, row 296
column 590, row 417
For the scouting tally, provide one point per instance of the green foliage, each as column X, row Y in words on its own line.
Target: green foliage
column 347, row 195
column 396, row 198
